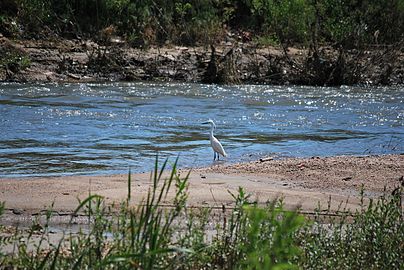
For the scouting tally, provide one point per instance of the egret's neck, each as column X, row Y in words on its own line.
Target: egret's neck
column 211, row 130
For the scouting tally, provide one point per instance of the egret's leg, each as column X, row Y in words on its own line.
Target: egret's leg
column 214, row 155
column 218, row 156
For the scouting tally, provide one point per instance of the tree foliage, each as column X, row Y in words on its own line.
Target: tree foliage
column 346, row 22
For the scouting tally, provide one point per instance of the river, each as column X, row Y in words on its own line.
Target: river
column 64, row 129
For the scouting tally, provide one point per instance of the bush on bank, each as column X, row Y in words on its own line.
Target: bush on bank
column 348, row 23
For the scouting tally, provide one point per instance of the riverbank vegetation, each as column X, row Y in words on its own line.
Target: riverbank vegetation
column 343, row 42
column 349, row 23
column 247, row 236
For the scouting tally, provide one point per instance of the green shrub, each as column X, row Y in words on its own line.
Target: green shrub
column 14, row 60
column 348, row 23
column 289, row 20
column 371, row 238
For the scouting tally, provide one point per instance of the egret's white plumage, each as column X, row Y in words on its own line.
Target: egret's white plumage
column 216, row 145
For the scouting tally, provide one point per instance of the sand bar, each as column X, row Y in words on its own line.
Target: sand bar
column 301, row 182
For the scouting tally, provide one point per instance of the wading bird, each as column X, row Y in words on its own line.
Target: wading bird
column 216, row 145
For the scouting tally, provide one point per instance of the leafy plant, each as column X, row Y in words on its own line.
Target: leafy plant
column 270, row 242
column 289, row 20
column 14, row 60
column 371, row 238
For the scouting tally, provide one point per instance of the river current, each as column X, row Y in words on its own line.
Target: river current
column 63, row 129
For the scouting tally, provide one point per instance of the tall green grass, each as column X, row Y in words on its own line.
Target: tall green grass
column 247, row 236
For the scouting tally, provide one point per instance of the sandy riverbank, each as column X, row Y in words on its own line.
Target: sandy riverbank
column 302, row 182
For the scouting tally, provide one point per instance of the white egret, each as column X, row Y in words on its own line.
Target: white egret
column 216, row 145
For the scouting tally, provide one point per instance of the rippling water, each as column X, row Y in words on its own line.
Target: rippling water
column 52, row 129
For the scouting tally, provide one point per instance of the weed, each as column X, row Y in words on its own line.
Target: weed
column 371, row 238
column 248, row 236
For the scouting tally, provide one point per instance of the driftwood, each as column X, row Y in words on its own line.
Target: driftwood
column 266, row 159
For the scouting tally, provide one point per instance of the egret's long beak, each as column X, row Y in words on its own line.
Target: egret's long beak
column 205, row 123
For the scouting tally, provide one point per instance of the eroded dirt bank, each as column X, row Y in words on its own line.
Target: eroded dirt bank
column 61, row 60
